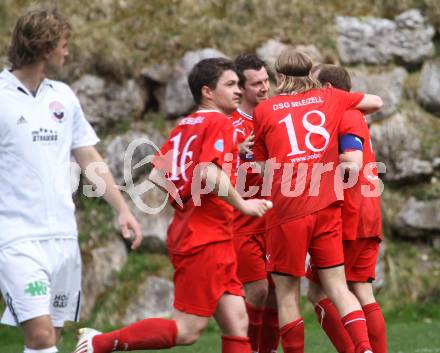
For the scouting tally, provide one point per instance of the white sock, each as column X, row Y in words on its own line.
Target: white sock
column 45, row 350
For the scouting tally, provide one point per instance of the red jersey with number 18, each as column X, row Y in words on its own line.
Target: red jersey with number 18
column 244, row 126
column 202, row 137
column 300, row 133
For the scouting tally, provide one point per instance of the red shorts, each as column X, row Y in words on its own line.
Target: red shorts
column 251, row 257
column 360, row 260
column 201, row 279
column 319, row 233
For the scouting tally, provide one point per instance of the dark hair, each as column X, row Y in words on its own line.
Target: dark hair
column 36, row 33
column 337, row 76
column 245, row 62
column 206, row 73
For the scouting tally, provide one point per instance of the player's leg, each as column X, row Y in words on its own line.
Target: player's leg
column 26, row 288
column 233, row 322
column 155, row 333
column 353, row 318
column 39, row 334
column 373, row 314
column 270, row 330
column 291, row 323
column 251, row 270
column 360, row 282
column 286, row 256
column 327, row 255
column 328, row 315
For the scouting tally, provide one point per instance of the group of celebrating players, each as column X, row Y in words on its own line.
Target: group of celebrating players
column 225, row 241
column 272, row 175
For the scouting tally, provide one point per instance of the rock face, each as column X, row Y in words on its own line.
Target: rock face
column 178, row 97
column 378, row 41
column 429, row 87
column 125, row 151
column 270, row 50
column 100, row 272
column 108, row 103
column 388, row 85
column 418, row 218
column 154, row 299
column 149, row 205
column 407, row 143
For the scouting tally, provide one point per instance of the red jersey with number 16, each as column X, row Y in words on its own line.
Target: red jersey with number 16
column 202, row 137
column 300, row 132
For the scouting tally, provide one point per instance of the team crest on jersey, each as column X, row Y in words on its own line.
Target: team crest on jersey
column 219, row 145
column 57, row 111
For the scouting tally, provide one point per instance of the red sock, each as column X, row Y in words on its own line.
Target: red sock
column 356, row 326
column 255, row 323
column 330, row 321
column 144, row 334
column 292, row 337
column 270, row 332
column 232, row 344
column 376, row 327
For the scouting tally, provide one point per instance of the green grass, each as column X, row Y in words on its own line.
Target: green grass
column 420, row 336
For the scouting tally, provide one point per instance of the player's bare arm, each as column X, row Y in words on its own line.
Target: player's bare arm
column 370, row 104
column 85, row 156
column 218, row 180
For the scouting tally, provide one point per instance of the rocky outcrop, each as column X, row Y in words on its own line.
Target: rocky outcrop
column 100, row 268
column 270, row 50
column 154, row 299
column 151, row 207
column 178, row 97
column 108, row 103
column 407, row 143
column 408, row 39
column 388, row 85
column 429, row 86
column 418, row 218
column 125, row 151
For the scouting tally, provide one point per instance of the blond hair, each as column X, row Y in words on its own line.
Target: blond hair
column 295, row 66
column 36, row 33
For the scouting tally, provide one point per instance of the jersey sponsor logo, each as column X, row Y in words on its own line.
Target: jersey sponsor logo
column 46, row 136
column 219, row 145
column 57, row 111
column 22, row 120
column 36, row 288
column 61, row 301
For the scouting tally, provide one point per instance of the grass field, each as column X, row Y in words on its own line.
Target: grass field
column 408, row 332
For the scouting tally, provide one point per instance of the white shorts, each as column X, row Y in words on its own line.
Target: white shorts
column 39, row 278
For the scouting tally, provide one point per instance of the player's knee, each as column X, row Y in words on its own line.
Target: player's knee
column 41, row 337
column 189, row 334
column 258, row 294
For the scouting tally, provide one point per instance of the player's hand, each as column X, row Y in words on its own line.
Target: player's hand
column 130, row 228
column 255, row 207
column 246, row 145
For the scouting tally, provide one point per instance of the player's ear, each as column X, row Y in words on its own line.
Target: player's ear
column 328, row 85
column 206, row 92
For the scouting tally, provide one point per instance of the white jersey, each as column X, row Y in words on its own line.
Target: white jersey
column 37, row 135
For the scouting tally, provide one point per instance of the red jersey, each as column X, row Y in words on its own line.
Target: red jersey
column 370, row 221
column 361, row 216
column 244, row 126
column 204, row 136
column 300, row 132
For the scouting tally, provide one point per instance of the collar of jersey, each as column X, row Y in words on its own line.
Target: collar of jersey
column 245, row 115
column 208, row 111
column 9, row 77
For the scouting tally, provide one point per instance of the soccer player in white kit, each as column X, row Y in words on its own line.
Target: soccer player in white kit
column 41, row 126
